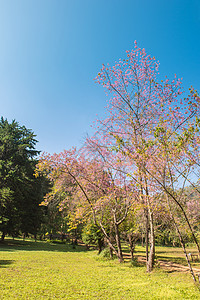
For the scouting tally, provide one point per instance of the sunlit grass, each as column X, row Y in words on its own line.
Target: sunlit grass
column 50, row 271
column 172, row 254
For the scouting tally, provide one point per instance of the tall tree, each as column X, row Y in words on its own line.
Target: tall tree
column 20, row 192
column 153, row 128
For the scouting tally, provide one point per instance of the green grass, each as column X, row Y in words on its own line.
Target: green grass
column 30, row 270
column 172, row 254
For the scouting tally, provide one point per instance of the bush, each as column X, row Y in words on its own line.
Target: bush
column 135, row 263
column 105, row 254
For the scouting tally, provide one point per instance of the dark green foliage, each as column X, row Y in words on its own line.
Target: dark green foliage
column 105, row 254
column 92, row 235
column 54, row 222
column 20, row 191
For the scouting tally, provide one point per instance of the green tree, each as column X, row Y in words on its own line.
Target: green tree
column 20, row 191
column 92, row 234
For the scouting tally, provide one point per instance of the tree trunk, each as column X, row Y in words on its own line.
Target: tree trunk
column 142, row 240
column 100, row 245
column 147, row 234
column 185, row 216
column 151, row 256
column 3, row 237
column 169, row 194
column 146, row 215
column 181, row 241
column 119, row 248
column 132, row 246
column 111, row 247
column 111, row 252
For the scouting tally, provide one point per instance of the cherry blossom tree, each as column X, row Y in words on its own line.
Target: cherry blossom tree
column 153, row 127
column 91, row 188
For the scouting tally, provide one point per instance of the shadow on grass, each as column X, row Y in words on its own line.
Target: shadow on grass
column 127, row 251
column 4, row 263
column 178, row 260
column 143, row 251
column 172, row 271
column 19, row 245
column 162, row 252
column 137, row 264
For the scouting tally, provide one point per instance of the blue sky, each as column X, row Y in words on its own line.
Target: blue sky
column 52, row 50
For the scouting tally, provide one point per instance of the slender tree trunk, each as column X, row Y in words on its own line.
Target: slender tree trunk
column 111, row 252
column 119, row 248
column 62, row 237
column 142, row 241
column 146, row 213
column 146, row 219
column 100, row 245
column 182, row 242
column 132, row 245
column 112, row 248
column 151, row 257
column 169, row 194
column 147, row 234
column 190, row 227
column 117, row 252
column 3, row 236
column 186, row 218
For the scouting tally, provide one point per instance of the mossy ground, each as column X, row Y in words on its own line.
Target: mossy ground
column 40, row 270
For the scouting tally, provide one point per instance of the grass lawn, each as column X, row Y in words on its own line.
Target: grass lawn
column 40, row 270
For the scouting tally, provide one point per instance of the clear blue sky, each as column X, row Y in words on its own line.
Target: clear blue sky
column 51, row 51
